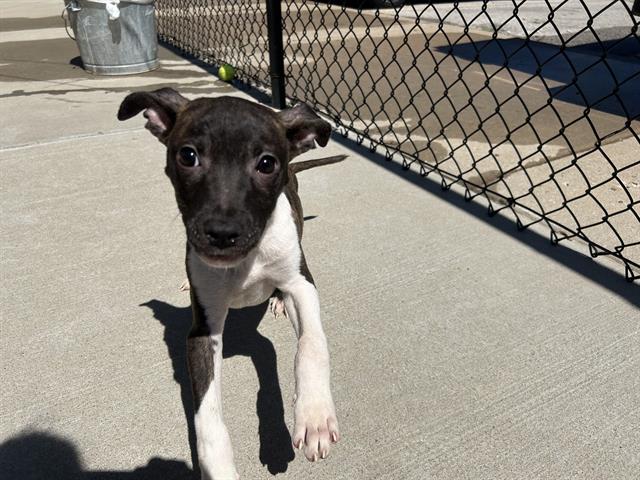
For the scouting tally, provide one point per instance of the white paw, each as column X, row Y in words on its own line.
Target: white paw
column 316, row 427
column 276, row 306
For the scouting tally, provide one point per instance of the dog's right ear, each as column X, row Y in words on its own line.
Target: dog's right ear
column 160, row 109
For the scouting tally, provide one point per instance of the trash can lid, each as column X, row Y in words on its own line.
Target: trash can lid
column 112, row 5
column 139, row 2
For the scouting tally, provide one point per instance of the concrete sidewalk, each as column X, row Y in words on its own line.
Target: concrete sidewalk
column 460, row 348
column 609, row 19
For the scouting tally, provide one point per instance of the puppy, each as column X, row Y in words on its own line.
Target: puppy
column 229, row 162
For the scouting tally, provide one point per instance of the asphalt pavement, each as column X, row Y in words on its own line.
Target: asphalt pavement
column 461, row 348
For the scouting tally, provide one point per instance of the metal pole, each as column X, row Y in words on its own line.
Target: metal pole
column 276, row 53
column 636, row 8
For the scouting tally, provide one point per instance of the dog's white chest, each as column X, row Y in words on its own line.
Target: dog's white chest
column 274, row 263
column 255, row 289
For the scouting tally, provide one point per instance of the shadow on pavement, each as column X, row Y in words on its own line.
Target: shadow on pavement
column 25, row 23
column 44, row 456
column 36, row 455
column 569, row 258
column 241, row 337
column 56, row 62
column 603, row 76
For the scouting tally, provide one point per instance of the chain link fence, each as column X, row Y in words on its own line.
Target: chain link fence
column 532, row 105
column 217, row 32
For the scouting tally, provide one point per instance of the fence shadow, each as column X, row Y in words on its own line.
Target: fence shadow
column 567, row 257
column 241, row 337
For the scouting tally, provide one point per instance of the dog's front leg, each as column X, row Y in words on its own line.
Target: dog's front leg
column 316, row 426
column 204, row 355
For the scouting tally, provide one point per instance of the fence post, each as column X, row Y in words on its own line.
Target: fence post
column 636, row 8
column 276, row 53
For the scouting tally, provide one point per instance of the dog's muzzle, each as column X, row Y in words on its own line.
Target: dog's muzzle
column 222, row 243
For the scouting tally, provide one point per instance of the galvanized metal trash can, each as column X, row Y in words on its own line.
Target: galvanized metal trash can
column 115, row 37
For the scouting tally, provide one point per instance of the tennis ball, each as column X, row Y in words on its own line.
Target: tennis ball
column 226, row 72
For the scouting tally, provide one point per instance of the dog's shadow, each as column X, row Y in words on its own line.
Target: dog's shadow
column 241, row 337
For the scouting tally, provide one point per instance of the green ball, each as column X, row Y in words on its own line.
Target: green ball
column 226, row 72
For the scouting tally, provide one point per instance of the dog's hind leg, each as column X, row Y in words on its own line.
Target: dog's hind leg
column 276, row 304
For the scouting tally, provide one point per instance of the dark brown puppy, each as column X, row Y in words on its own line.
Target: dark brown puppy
column 229, row 162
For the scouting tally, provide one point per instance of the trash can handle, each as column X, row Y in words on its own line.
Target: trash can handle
column 72, row 5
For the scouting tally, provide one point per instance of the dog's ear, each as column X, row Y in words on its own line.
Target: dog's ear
column 160, row 109
column 304, row 128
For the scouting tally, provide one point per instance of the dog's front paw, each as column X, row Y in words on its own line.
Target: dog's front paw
column 316, row 426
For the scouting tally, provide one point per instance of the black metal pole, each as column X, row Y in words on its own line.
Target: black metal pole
column 276, row 53
column 636, row 8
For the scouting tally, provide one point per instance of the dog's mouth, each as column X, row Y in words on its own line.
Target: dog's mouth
column 226, row 260
column 228, row 256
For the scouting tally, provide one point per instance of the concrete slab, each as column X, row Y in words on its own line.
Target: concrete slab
column 460, row 348
column 609, row 19
column 43, row 82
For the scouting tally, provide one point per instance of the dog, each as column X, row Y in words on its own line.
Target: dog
column 229, row 162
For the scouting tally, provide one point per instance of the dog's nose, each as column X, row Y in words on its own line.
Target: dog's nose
column 221, row 236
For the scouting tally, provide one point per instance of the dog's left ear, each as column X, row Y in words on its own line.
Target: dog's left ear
column 304, row 128
column 160, row 109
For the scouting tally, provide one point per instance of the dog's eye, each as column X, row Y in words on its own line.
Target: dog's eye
column 188, row 157
column 266, row 164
